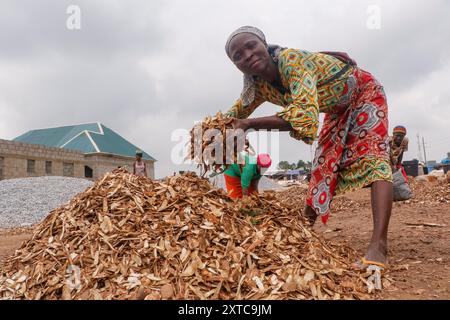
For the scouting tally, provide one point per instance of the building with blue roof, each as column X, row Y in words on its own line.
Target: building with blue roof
column 86, row 150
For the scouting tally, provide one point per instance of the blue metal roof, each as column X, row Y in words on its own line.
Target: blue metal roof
column 87, row 138
column 296, row 171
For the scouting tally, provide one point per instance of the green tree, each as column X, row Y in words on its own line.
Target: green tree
column 284, row 165
column 301, row 164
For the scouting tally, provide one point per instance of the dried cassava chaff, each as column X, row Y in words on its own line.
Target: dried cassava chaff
column 213, row 142
column 177, row 239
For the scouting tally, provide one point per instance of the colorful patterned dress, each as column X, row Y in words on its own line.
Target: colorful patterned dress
column 353, row 145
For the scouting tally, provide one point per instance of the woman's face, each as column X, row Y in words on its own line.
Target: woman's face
column 249, row 54
column 398, row 138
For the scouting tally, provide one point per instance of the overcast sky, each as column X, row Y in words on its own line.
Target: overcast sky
column 146, row 68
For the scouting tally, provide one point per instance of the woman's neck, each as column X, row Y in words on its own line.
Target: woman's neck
column 271, row 74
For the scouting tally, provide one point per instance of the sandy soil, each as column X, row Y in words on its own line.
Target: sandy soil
column 11, row 239
column 419, row 256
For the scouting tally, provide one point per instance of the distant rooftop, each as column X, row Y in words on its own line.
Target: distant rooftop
column 88, row 138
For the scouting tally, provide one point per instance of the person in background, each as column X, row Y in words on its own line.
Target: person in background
column 139, row 167
column 242, row 180
column 398, row 145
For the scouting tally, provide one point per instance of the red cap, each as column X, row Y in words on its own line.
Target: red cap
column 400, row 129
column 264, row 160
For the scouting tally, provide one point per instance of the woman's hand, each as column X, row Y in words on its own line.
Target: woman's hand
column 238, row 124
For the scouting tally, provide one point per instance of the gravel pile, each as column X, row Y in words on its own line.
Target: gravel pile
column 27, row 201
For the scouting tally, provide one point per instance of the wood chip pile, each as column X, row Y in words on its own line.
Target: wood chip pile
column 424, row 192
column 201, row 134
column 129, row 237
column 430, row 192
column 295, row 197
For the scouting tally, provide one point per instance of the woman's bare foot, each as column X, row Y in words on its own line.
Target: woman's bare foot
column 376, row 254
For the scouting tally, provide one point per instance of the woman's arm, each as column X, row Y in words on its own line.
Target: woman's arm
column 238, row 110
column 241, row 111
column 301, row 117
column 303, row 112
column 268, row 123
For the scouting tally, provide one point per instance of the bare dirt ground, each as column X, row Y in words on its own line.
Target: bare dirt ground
column 419, row 243
column 419, row 255
column 11, row 239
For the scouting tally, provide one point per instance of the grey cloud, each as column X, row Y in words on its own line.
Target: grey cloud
column 33, row 29
column 145, row 68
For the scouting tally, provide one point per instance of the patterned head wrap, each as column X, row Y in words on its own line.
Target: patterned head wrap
column 248, row 92
column 399, row 129
column 245, row 29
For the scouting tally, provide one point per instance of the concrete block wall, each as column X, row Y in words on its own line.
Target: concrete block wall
column 102, row 164
column 16, row 155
